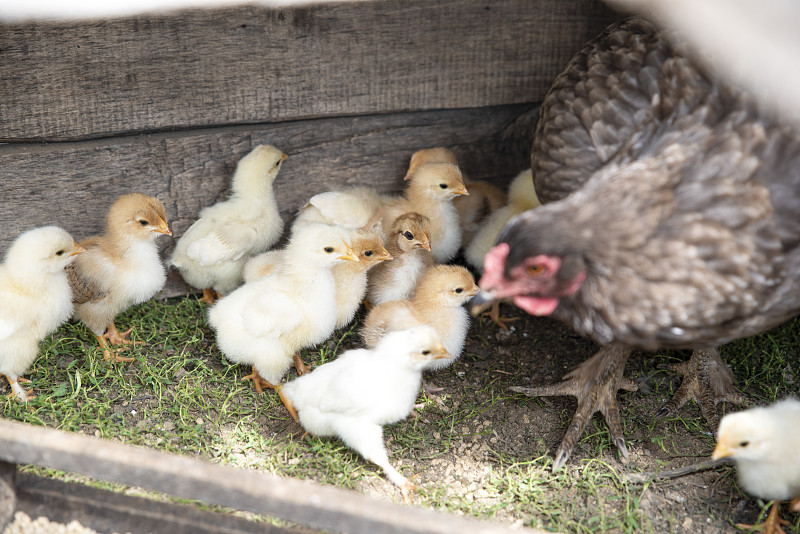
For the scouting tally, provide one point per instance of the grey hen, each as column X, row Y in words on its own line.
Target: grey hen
column 670, row 220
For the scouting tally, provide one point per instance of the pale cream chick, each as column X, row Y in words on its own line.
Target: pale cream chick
column 430, row 192
column 437, row 302
column 261, row 265
column 764, row 443
column 353, row 396
column 483, row 199
column 353, row 207
column 410, row 247
column 211, row 254
column 36, row 298
column 119, row 269
column 265, row 323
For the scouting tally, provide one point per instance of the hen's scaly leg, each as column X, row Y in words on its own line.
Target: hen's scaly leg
column 259, row 382
column 706, row 380
column 109, row 354
column 594, row 383
column 771, row 525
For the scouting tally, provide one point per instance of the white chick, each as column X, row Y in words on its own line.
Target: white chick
column 36, row 298
column 119, row 269
column 261, row 265
column 430, row 192
column 353, row 207
column 353, row 396
column 410, row 247
column 265, row 323
column 483, row 199
column 437, row 302
column 764, row 442
column 210, row 255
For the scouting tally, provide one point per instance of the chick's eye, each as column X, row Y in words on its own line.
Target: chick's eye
column 143, row 222
column 744, row 444
column 60, row 253
column 443, row 186
column 425, row 352
column 328, row 249
column 459, row 290
column 408, row 235
column 535, row 270
column 368, row 253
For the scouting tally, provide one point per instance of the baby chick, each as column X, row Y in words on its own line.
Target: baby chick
column 36, row 298
column 265, row 323
column 483, row 199
column 353, row 207
column 119, row 269
column 353, row 396
column 410, row 247
column 212, row 252
column 521, row 198
column 763, row 443
column 437, row 302
column 430, row 192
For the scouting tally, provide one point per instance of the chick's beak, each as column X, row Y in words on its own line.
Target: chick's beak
column 474, row 291
column 425, row 244
column 78, row 249
column 349, row 254
column 386, row 255
column 163, row 228
column 721, row 451
column 440, row 353
column 461, row 191
column 283, row 158
column 481, row 302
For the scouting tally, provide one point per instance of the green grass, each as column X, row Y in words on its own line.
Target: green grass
column 181, row 395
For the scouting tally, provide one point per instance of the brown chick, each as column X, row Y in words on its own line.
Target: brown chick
column 410, row 247
column 430, row 192
column 119, row 268
column 483, row 199
column 351, row 276
column 437, row 302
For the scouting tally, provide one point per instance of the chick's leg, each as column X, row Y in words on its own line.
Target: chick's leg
column 258, row 382
column 594, row 383
column 210, row 296
column 115, row 337
column 289, row 404
column 494, row 315
column 366, row 438
column 17, row 390
column 706, row 380
column 110, row 354
column 771, row 525
column 299, row 365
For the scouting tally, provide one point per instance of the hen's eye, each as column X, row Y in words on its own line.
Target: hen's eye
column 328, row 249
column 368, row 253
column 535, row 270
column 744, row 444
column 143, row 222
column 459, row 290
column 408, row 235
column 443, row 186
column 60, row 253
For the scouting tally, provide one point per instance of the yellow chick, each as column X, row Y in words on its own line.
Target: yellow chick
column 36, row 298
column 353, row 396
column 210, row 255
column 410, row 248
column 764, row 442
column 353, row 207
column 351, row 277
column 265, row 323
column 119, row 269
column 261, row 265
column 437, row 302
column 483, row 199
column 430, row 192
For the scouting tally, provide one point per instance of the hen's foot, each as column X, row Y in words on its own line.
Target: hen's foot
column 494, row 315
column 594, row 383
column 258, row 382
column 289, row 405
column 210, row 296
column 300, row 366
column 772, row 525
column 706, row 380
column 109, row 354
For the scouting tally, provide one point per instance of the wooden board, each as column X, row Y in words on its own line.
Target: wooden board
column 73, row 184
column 302, row 502
column 251, row 65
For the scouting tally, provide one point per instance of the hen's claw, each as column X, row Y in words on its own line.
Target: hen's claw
column 594, row 383
column 707, row 381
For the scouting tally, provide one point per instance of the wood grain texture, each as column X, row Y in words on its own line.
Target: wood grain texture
column 300, row 501
column 73, row 184
column 251, row 65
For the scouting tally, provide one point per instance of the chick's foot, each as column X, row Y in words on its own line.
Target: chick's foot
column 706, row 380
column 17, row 391
column 111, row 354
column 594, row 383
column 771, row 525
column 258, row 382
column 494, row 315
column 300, row 366
column 210, row 296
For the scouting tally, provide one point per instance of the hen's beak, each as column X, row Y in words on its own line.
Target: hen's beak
column 721, row 451
column 481, row 302
column 78, row 250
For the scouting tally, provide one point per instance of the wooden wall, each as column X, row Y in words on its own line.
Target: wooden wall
column 167, row 104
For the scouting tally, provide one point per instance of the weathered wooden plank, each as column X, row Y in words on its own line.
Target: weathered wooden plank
column 302, row 502
column 8, row 493
column 107, row 512
column 248, row 65
column 73, row 184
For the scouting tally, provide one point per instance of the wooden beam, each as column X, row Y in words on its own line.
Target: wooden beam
column 302, row 502
column 253, row 65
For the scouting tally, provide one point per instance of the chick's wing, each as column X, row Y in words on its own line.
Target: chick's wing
column 271, row 313
column 228, row 242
